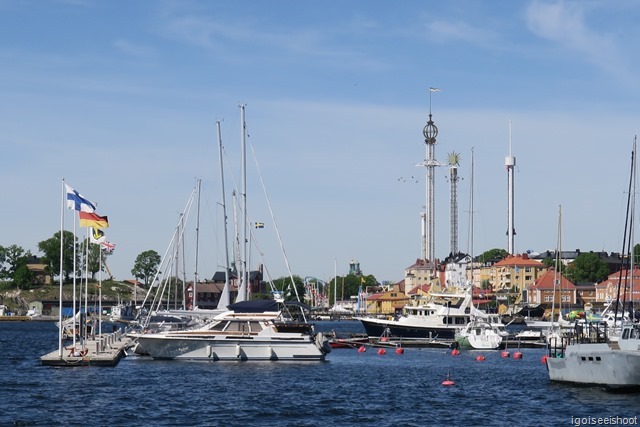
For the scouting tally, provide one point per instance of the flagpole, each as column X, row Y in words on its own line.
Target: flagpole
column 74, row 281
column 100, row 292
column 86, row 289
column 60, row 277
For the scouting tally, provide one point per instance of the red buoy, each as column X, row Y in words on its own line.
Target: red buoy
column 384, row 339
column 544, row 359
column 362, row 349
column 480, row 358
column 517, row 355
column 382, row 351
column 455, row 352
column 505, row 354
column 448, row 381
column 399, row 350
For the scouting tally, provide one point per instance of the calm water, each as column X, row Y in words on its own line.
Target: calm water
column 351, row 388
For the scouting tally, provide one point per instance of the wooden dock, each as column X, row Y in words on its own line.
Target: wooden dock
column 103, row 350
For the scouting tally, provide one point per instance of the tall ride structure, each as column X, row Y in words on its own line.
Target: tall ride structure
column 510, row 162
column 430, row 132
column 454, row 161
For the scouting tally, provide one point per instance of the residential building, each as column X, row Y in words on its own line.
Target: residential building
column 514, row 273
column 552, row 289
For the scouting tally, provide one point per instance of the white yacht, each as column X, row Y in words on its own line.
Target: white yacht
column 439, row 318
column 250, row 330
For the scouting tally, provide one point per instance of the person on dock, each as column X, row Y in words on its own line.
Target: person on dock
column 74, row 352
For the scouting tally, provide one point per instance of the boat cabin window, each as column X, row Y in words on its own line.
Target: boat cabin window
column 625, row 333
column 242, row 326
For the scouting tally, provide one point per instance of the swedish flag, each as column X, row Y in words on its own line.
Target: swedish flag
column 259, row 224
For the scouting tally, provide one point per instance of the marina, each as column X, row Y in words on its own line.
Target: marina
column 350, row 388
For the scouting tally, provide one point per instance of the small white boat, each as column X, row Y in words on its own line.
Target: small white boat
column 480, row 334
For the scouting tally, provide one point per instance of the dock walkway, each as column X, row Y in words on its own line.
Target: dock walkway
column 103, row 350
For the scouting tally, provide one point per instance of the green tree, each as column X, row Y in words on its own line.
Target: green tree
column 283, row 284
column 23, row 277
column 12, row 258
column 587, row 267
column 492, row 254
column 348, row 286
column 51, row 250
column 146, row 266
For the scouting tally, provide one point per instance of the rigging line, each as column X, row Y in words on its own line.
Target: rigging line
column 624, row 239
column 164, row 257
column 274, row 220
column 264, row 265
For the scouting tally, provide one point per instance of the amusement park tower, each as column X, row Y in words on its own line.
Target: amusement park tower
column 510, row 162
column 430, row 132
column 453, row 159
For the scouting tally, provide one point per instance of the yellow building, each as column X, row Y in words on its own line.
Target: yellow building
column 515, row 273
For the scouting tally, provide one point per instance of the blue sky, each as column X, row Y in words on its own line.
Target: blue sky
column 121, row 98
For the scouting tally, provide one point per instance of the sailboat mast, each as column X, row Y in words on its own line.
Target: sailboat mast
column 471, row 224
column 557, row 271
column 195, row 280
column 242, row 292
column 224, row 297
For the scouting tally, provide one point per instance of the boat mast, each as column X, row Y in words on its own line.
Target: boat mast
column 557, row 272
column 471, row 221
column 195, row 280
column 242, row 291
column 224, row 297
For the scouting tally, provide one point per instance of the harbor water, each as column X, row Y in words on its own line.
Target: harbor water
column 349, row 389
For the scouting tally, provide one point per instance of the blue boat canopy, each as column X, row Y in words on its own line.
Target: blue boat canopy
column 254, row 306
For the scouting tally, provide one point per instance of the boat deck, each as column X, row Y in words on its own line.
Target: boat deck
column 103, row 350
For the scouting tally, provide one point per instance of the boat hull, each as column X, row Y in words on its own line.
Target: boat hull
column 231, row 349
column 375, row 328
column 596, row 364
column 480, row 342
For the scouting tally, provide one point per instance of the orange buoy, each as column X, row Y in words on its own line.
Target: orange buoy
column 517, row 355
column 544, row 359
column 382, row 351
column 362, row 349
column 399, row 350
column 455, row 352
column 448, row 381
column 505, row 354
column 480, row 358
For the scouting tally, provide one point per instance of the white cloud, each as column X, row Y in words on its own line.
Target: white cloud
column 564, row 23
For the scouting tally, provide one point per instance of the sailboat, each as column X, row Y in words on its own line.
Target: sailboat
column 479, row 333
column 246, row 330
column 587, row 355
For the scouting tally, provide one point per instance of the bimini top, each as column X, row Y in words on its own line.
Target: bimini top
column 254, row 306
